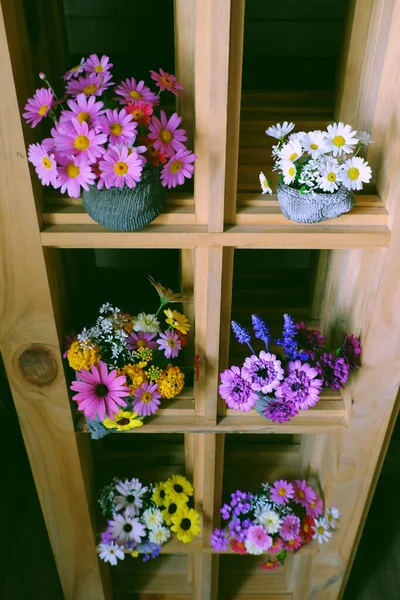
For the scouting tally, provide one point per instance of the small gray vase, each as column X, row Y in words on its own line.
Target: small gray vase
column 314, row 207
column 127, row 209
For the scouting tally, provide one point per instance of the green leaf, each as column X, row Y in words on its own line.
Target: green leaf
column 281, row 556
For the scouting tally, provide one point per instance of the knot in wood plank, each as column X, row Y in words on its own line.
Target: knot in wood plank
column 38, row 365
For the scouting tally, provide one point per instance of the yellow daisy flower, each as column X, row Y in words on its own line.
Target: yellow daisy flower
column 171, row 382
column 135, row 376
column 171, row 509
column 158, row 496
column 186, row 524
column 178, row 488
column 80, row 357
column 177, row 321
column 123, row 421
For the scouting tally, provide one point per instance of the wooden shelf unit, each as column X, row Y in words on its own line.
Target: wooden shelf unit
column 341, row 442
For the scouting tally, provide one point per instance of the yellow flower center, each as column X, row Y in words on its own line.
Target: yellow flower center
column 339, row 140
column 293, row 156
column 269, row 563
column 46, row 162
column 146, row 397
column 171, row 343
column 306, row 528
column 141, row 343
column 120, row 168
column 330, row 517
column 116, row 129
column 312, row 504
column 331, row 176
column 72, row 170
column 166, row 81
column 282, row 492
column 175, row 168
column 291, row 542
column 90, row 89
column 291, row 172
column 321, row 529
column 81, row 142
column 75, row 68
column 135, row 94
column 353, row 173
column 301, row 494
column 98, row 69
column 83, row 117
column 166, row 135
column 137, row 114
column 43, row 110
column 314, row 147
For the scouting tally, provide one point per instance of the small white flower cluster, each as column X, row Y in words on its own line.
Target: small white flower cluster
column 109, row 331
column 325, row 524
column 262, row 504
column 319, row 161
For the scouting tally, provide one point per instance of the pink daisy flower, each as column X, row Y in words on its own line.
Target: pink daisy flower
column 141, row 339
column 92, row 84
column 238, row 547
column 45, row 164
column 132, row 91
column 119, row 167
column 290, row 527
column 165, row 135
column 165, row 81
column 179, row 167
column 270, row 565
column 170, row 343
column 38, row 107
column 74, row 72
column 84, row 143
column 141, row 112
column 146, row 401
column 120, row 126
column 94, row 64
column 293, row 544
column 277, row 546
column 83, row 108
column 315, row 509
column 72, row 177
column 303, row 493
column 100, row 392
column 257, row 536
column 282, row 491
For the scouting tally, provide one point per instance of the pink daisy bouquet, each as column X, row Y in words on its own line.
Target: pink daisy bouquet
column 279, row 518
column 123, row 364
column 279, row 385
column 98, row 143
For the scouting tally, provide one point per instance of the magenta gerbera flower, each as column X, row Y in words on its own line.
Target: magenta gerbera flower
column 276, row 547
column 293, row 544
column 132, row 91
column 91, row 84
column 100, row 392
column 85, row 109
column 38, row 107
column 282, row 491
column 334, row 371
column 178, row 168
column 119, row 168
column 141, row 339
column 290, row 527
column 94, row 64
column 301, row 385
column 165, row 133
column 165, row 81
column 309, row 340
column 351, row 350
column 83, row 143
column 236, row 390
column 265, row 370
column 146, row 401
column 170, row 343
column 303, row 493
column 45, row 164
column 315, row 509
column 119, row 126
column 75, row 71
column 71, row 177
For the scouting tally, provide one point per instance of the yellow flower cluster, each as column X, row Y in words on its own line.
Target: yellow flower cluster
column 153, row 373
column 171, row 382
column 83, row 357
column 144, row 355
column 135, row 376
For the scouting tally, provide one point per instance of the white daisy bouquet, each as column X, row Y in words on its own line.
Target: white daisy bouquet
column 142, row 518
column 319, row 161
column 279, row 518
column 123, row 364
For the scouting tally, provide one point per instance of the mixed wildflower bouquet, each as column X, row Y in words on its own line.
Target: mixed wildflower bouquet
column 319, row 161
column 279, row 518
column 123, row 364
column 279, row 385
column 107, row 142
column 141, row 518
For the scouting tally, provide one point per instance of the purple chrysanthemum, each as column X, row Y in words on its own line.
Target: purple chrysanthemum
column 236, row 390
column 301, row 385
column 309, row 340
column 238, row 529
column 290, row 528
column 280, row 410
column 241, row 333
column 351, row 350
column 265, row 371
column 219, row 540
column 261, row 330
column 333, row 370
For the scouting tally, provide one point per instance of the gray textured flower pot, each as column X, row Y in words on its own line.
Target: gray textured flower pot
column 127, row 209
column 313, row 207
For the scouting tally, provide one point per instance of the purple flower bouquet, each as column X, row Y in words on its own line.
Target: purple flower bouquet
column 279, row 385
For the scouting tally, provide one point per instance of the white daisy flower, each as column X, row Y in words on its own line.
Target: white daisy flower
column 152, row 518
column 332, row 515
column 146, row 323
column 126, row 529
column 288, row 171
column 265, row 188
column 364, row 138
column 314, row 142
column 111, row 553
column 329, row 178
column 252, row 548
column 160, row 535
column 340, row 139
column 355, row 172
column 291, row 151
column 296, row 137
column 322, row 533
column 279, row 131
column 130, row 498
column 270, row 520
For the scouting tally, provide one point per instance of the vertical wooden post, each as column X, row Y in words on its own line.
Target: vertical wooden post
column 184, row 11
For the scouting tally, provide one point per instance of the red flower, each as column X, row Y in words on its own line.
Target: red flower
column 197, row 366
column 183, row 338
column 270, row 565
column 238, row 547
column 141, row 112
column 152, row 155
column 306, row 529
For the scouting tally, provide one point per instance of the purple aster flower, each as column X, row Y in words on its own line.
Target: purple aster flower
column 241, row 333
column 265, row 371
column 226, row 512
column 261, row 330
column 170, row 343
column 290, row 528
column 236, row 390
column 351, row 350
column 238, row 529
column 333, row 370
column 309, row 340
column 289, row 340
column 219, row 540
column 106, row 537
column 301, row 385
column 282, row 491
column 281, row 410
